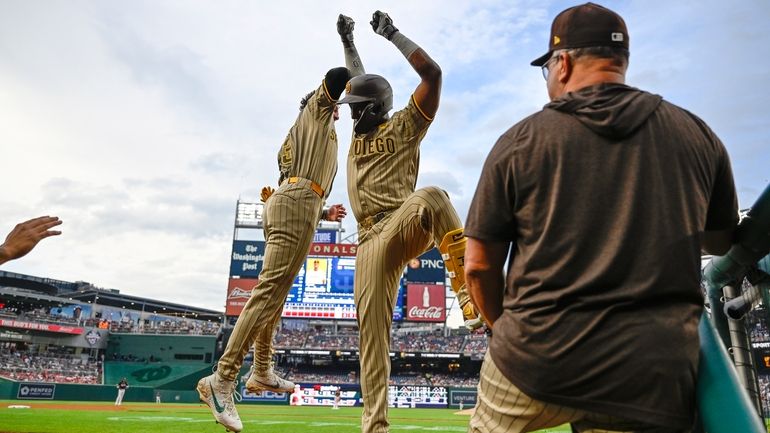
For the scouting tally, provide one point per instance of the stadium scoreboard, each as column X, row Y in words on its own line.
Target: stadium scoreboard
column 323, row 288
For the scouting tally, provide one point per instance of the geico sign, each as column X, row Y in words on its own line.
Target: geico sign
column 263, row 395
column 426, row 313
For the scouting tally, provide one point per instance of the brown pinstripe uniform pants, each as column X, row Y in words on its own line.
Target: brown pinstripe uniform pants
column 290, row 219
column 383, row 252
column 502, row 407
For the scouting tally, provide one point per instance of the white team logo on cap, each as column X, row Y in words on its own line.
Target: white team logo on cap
column 617, row 37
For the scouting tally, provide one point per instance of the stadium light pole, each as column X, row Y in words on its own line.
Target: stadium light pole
column 141, row 318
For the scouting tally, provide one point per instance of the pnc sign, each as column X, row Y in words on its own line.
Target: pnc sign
column 428, row 268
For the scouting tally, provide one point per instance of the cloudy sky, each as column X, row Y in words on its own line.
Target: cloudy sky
column 141, row 123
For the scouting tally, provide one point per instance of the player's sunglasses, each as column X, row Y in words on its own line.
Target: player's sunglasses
column 545, row 68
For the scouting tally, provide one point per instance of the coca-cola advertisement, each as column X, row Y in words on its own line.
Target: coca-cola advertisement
column 425, row 303
column 238, row 293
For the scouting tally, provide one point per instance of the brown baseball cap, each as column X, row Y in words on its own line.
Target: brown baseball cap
column 587, row 25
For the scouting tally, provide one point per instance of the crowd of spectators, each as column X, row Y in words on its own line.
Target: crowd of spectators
column 458, row 379
column 49, row 366
column 757, row 326
column 764, row 393
column 183, row 326
column 326, row 338
column 408, row 379
column 312, row 338
column 8, row 313
column 38, row 315
column 330, row 377
column 324, row 341
column 462, row 380
column 171, row 325
column 321, row 376
column 475, row 344
column 290, row 338
column 427, row 343
column 759, row 333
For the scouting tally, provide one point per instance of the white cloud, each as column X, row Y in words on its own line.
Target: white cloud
column 141, row 123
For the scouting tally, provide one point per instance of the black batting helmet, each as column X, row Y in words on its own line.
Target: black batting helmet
column 376, row 92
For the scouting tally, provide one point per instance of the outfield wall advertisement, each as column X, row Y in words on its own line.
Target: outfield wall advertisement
column 462, row 397
column 311, row 394
column 238, row 293
column 36, row 391
column 406, row 396
column 323, row 395
column 403, row 396
column 61, row 329
column 264, row 397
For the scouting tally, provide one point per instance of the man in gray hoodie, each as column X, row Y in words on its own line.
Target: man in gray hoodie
column 604, row 199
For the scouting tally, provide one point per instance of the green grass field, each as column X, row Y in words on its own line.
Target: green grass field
column 52, row 417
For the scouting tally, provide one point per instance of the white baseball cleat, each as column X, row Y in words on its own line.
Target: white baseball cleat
column 268, row 382
column 217, row 394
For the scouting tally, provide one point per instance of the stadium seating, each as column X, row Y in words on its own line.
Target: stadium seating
column 764, row 393
column 167, row 325
column 427, row 343
column 49, row 367
column 312, row 338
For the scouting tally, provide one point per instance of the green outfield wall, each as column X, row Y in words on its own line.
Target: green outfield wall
column 6, row 389
column 13, row 391
column 72, row 392
column 172, row 375
column 166, row 362
column 166, row 348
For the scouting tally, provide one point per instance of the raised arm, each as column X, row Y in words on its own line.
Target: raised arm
column 428, row 92
column 352, row 59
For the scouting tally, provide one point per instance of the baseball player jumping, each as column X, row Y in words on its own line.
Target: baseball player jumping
column 395, row 222
column 308, row 163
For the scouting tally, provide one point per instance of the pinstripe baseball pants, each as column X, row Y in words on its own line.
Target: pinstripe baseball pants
column 383, row 252
column 290, row 219
column 502, row 407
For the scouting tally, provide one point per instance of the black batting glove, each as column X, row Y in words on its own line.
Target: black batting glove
column 345, row 27
column 382, row 24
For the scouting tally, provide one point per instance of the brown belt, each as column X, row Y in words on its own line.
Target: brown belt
column 314, row 186
column 370, row 221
